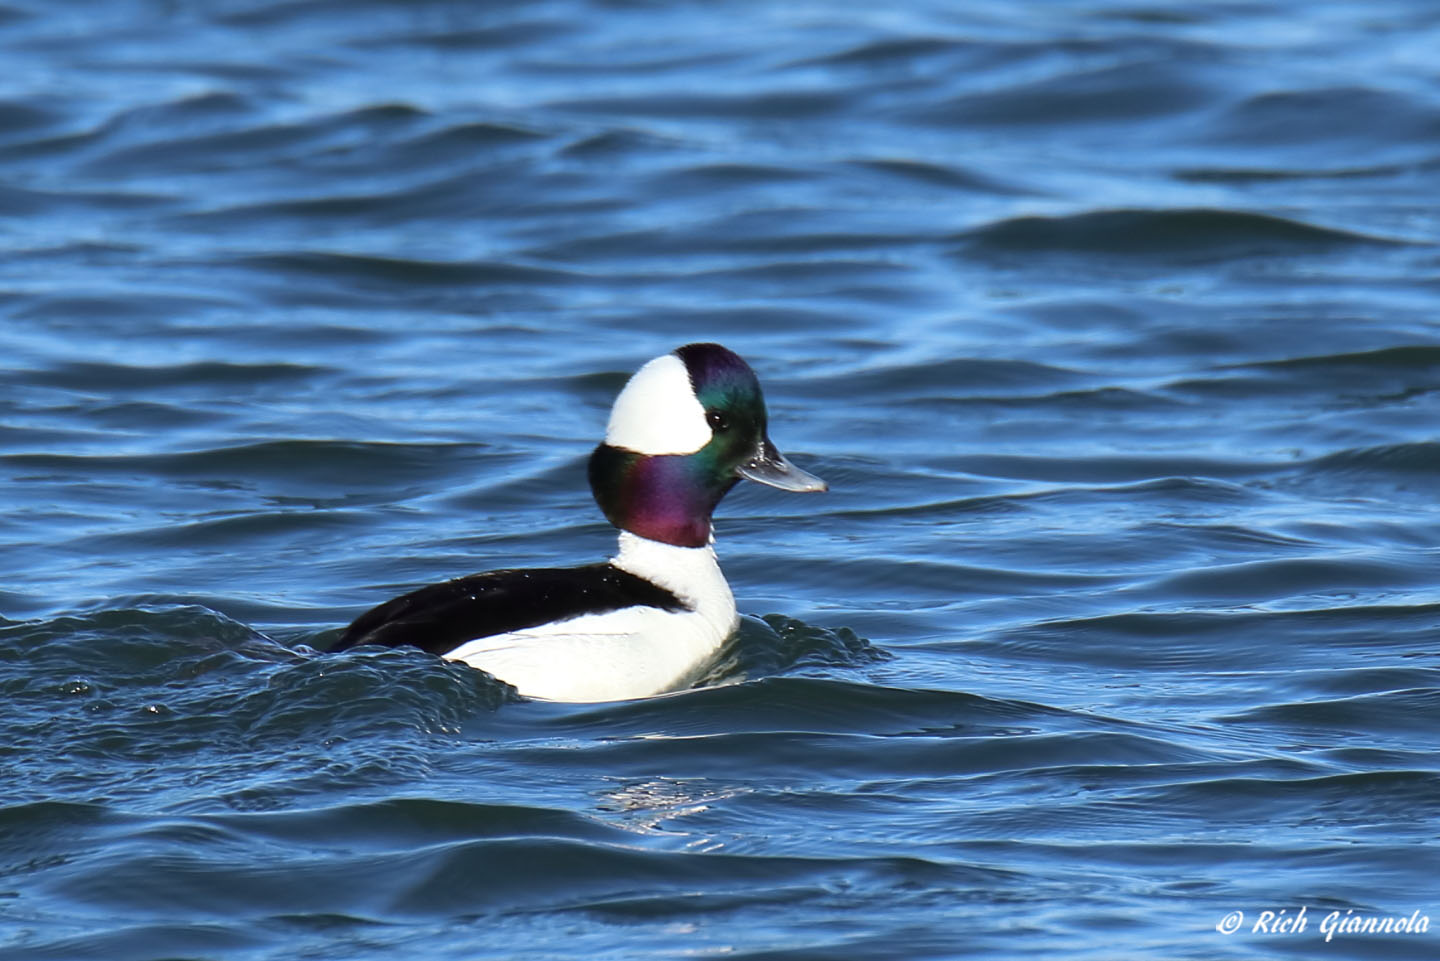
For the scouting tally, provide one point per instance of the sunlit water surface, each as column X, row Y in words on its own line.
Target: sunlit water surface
column 1112, row 324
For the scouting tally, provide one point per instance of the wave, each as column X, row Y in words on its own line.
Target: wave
column 1124, row 595
column 1128, row 92
column 814, row 705
column 1188, row 235
column 480, row 860
column 1379, row 713
column 150, row 682
column 1422, row 457
column 1327, row 119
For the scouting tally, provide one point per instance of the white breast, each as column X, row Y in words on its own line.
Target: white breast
column 634, row 652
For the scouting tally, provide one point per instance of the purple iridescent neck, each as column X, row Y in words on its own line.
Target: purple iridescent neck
column 665, row 497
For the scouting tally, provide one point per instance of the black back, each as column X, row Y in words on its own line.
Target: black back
column 441, row 617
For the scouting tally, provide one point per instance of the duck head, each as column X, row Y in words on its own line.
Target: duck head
column 684, row 430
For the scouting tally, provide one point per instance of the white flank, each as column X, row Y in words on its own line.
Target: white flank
column 657, row 412
column 634, row 652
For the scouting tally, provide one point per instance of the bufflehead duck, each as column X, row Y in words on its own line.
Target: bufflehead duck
column 684, row 430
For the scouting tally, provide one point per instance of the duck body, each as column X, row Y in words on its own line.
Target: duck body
column 686, row 428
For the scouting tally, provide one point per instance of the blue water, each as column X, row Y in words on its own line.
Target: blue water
column 1114, row 325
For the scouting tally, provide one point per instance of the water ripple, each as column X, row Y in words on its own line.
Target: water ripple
column 1111, row 324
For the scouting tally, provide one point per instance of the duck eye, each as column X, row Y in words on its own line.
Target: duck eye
column 716, row 420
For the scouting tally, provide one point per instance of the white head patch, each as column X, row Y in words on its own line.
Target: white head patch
column 657, row 412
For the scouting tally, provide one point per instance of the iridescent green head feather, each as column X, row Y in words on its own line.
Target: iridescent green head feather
column 685, row 428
